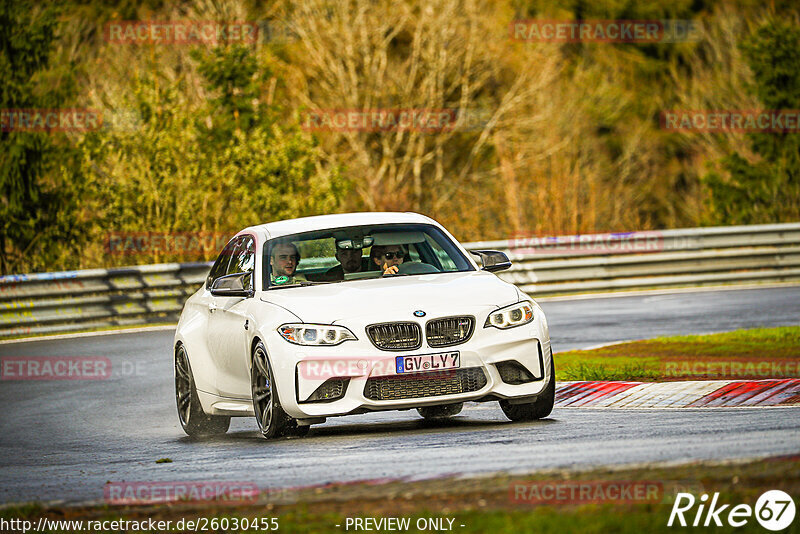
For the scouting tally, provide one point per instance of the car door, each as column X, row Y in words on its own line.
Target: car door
column 212, row 303
column 228, row 327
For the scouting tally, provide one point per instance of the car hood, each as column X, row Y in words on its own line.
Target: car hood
column 395, row 298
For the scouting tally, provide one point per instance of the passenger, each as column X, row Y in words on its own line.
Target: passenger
column 283, row 261
column 349, row 262
column 387, row 257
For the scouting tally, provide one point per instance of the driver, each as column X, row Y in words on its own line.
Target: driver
column 388, row 257
column 283, row 261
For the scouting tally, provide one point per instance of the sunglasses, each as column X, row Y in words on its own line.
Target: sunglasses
column 392, row 255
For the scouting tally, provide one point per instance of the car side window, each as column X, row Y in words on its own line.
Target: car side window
column 220, row 267
column 413, row 253
column 446, row 263
column 244, row 257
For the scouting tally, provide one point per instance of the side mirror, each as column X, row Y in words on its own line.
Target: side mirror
column 233, row 285
column 492, row 260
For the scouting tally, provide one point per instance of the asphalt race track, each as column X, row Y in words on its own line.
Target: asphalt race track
column 63, row 440
column 577, row 324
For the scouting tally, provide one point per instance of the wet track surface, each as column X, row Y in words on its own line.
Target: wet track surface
column 576, row 324
column 63, row 440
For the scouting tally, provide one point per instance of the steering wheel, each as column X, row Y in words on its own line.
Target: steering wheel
column 416, row 267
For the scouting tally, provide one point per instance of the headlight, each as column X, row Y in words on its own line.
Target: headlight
column 511, row 316
column 315, row 334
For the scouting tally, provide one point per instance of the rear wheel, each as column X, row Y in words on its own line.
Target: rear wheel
column 194, row 421
column 440, row 412
column 272, row 421
column 537, row 409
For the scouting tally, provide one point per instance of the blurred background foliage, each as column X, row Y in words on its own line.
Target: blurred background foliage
column 209, row 138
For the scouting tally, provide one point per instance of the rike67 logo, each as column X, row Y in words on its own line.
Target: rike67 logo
column 774, row 510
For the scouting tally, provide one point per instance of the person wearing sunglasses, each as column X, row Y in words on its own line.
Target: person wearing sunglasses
column 388, row 257
column 283, row 261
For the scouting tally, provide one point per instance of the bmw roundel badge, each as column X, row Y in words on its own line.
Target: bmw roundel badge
column 419, row 313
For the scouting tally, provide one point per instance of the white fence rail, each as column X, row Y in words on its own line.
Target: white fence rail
column 64, row 301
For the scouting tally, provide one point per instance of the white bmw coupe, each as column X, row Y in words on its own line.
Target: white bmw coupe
column 310, row 318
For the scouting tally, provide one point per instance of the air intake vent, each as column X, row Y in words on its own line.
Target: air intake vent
column 512, row 372
column 417, row 385
column 449, row 331
column 330, row 390
column 395, row 336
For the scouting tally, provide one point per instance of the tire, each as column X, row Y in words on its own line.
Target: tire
column 272, row 421
column 194, row 421
column 440, row 412
column 538, row 409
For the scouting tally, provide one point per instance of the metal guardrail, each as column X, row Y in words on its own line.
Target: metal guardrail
column 655, row 259
column 73, row 300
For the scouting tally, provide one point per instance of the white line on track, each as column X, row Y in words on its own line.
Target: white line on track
column 667, row 291
column 92, row 334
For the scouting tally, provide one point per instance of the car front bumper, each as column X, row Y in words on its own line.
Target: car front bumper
column 301, row 370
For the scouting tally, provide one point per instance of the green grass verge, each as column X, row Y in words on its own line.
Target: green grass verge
column 708, row 356
column 481, row 504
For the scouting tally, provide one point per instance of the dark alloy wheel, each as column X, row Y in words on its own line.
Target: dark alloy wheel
column 272, row 421
column 194, row 421
column 537, row 409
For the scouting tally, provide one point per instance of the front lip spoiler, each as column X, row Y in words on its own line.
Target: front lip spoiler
column 430, row 401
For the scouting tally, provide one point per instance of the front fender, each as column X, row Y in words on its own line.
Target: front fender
column 268, row 317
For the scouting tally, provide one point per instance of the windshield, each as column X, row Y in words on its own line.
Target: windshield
column 358, row 253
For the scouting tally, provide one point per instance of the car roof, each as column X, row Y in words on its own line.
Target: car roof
column 339, row 220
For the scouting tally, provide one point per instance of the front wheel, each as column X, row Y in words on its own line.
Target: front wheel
column 194, row 421
column 537, row 409
column 272, row 420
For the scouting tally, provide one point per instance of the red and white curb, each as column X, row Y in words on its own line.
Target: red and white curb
column 690, row 394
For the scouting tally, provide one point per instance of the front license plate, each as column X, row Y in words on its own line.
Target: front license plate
column 428, row 362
